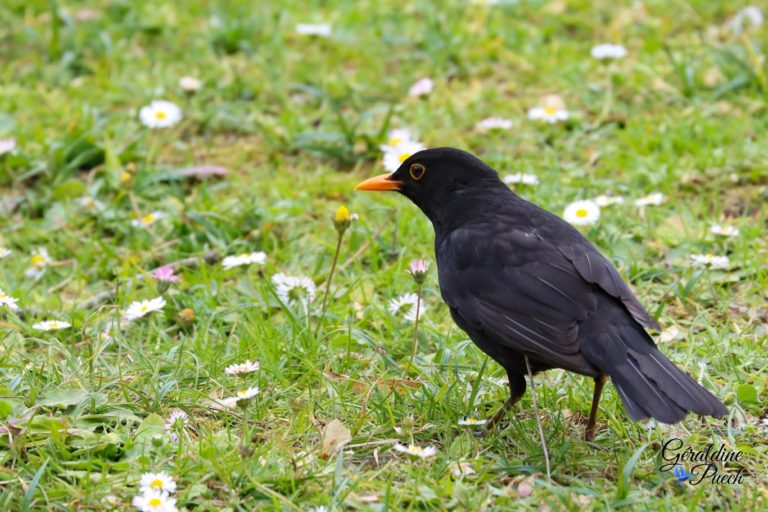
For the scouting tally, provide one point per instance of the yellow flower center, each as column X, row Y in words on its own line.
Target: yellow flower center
column 417, row 449
column 125, row 176
column 550, row 111
column 342, row 214
column 394, row 141
column 581, row 213
column 404, row 157
column 157, row 483
column 144, row 308
column 148, row 218
column 37, row 259
column 160, row 115
column 709, row 256
column 155, row 502
column 470, row 421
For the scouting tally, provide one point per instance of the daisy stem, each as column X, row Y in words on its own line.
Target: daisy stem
column 328, row 283
column 415, row 330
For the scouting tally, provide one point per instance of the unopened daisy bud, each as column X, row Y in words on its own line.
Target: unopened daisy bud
column 342, row 219
column 128, row 172
column 189, row 84
column 186, row 317
column 246, row 451
column 419, row 270
column 157, row 441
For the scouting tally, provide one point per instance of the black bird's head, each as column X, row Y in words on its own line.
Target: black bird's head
column 441, row 182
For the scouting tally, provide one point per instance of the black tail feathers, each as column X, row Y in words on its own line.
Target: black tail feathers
column 649, row 384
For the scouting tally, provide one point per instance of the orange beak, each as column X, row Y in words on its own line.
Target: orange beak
column 380, row 182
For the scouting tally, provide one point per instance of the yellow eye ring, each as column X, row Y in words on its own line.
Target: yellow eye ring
column 417, row 171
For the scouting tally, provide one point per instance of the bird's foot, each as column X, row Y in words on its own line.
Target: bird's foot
column 491, row 425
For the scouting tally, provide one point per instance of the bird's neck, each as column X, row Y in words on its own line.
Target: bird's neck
column 467, row 206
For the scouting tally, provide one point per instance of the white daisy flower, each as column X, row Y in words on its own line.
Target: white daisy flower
column 525, row 179
column 494, row 123
column 176, row 416
column 461, row 469
column 178, row 420
column 422, row 87
column 472, row 422
column 314, row 29
column 39, row 261
column 406, row 305
column 750, row 15
column 654, row 199
column 242, row 368
column 717, row 229
column 160, row 114
column 4, row 252
column 157, row 482
column 147, row 220
column 399, row 154
column 294, row 289
column 190, row 84
column 8, row 301
column 416, row 451
column 608, row 51
column 40, row 258
column 396, row 137
column 141, row 308
column 581, row 213
column 243, row 394
column 154, row 501
column 710, row 260
column 258, row 258
column 549, row 115
column 7, row 145
column 321, row 508
column 51, row 325
column 604, row 200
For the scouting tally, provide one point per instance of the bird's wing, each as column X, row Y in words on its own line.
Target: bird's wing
column 519, row 291
column 594, row 268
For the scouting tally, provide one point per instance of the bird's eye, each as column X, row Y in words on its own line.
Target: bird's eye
column 417, row 171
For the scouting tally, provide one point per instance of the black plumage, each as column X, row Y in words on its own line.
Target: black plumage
column 521, row 281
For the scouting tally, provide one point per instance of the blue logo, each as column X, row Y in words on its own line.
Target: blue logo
column 681, row 474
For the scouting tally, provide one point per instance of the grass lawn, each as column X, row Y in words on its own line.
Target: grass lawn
column 294, row 121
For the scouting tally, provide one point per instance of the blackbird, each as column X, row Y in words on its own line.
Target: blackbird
column 523, row 283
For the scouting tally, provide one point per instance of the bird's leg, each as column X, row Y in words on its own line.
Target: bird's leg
column 500, row 413
column 589, row 433
column 516, row 391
